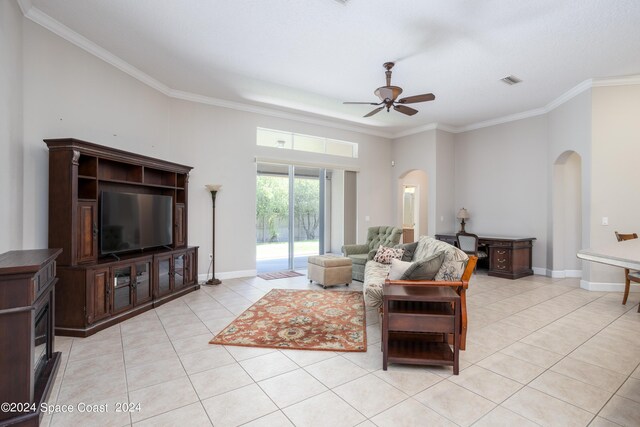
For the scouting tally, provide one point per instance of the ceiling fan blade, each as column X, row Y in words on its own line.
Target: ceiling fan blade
column 417, row 98
column 377, row 110
column 366, row 103
column 405, row 110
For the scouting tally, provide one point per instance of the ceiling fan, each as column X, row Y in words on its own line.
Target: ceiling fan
column 388, row 95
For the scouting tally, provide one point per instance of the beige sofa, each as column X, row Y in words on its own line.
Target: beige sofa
column 455, row 271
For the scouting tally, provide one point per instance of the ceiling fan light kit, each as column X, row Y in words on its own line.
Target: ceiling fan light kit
column 388, row 95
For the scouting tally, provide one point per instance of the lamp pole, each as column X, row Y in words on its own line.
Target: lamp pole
column 213, row 281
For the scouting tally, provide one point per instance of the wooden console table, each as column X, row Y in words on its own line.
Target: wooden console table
column 509, row 257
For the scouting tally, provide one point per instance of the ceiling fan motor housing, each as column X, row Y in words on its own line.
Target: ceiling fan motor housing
column 388, row 93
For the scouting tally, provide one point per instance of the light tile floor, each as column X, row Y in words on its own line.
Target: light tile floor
column 540, row 351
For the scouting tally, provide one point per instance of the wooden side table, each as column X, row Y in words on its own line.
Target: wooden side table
column 416, row 324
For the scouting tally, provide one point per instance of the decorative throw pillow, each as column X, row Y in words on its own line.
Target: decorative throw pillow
column 409, row 250
column 398, row 268
column 425, row 269
column 384, row 255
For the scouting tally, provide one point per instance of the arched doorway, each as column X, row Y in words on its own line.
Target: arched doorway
column 567, row 215
column 412, row 204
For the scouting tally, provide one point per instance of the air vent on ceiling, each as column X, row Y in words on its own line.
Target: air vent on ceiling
column 511, row 80
column 342, row 1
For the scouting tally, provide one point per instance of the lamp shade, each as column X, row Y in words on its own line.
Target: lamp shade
column 463, row 214
column 213, row 187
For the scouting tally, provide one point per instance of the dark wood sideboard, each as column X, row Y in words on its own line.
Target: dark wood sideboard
column 97, row 291
column 509, row 257
column 28, row 364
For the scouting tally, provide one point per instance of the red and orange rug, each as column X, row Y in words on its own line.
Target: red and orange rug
column 301, row 320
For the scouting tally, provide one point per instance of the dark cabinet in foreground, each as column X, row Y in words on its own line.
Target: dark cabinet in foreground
column 28, row 364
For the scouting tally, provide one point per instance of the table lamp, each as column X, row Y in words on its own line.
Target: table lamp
column 462, row 215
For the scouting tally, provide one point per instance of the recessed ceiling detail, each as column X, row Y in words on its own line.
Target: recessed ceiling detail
column 273, row 55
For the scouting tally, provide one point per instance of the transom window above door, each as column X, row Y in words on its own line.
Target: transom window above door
column 299, row 142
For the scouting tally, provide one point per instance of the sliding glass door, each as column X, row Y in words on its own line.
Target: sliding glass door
column 289, row 216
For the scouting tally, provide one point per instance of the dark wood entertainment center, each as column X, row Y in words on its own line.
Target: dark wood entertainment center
column 97, row 291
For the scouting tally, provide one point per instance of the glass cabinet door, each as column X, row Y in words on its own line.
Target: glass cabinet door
column 122, row 287
column 143, row 282
column 179, row 263
column 164, row 276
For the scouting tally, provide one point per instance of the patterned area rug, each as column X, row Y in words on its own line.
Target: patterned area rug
column 302, row 320
column 279, row 275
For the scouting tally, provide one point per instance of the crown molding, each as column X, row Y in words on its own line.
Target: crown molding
column 568, row 95
column 426, row 128
column 202, row 99
column 617, row 81
column 25, row 6
column 502, row 120
column 41, row 18
column 56, row 27
column 36, row 15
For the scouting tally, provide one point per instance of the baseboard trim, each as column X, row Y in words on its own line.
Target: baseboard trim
column 561, row 274
column 229, row 275
column 607, row 287
column 539, row 271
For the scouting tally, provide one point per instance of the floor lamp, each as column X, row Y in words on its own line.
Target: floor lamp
column 214, row 190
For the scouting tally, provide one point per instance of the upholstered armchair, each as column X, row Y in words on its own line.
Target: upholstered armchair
column 360, row 254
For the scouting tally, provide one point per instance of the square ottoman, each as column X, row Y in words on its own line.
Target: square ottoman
column 329, row 270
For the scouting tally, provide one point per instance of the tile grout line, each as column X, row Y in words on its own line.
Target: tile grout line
column 568, row 354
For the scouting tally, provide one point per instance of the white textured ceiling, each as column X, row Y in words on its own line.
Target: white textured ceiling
column 310, row 55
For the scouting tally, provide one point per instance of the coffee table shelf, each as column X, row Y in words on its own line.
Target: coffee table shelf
column 416, row 324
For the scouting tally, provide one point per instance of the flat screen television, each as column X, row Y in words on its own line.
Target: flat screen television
column 130, row 222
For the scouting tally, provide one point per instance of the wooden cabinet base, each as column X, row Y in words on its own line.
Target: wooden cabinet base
column 94, row 297
column 104, row 324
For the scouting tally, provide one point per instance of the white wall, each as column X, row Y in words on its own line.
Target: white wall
column 415, row 152
column 337, row 211
column 567, row 215
column 501, row 178
column 445, row 220
column 70, row 93
column 569, row 131
column 420, row 180
column 615, row 175
column 10, row 126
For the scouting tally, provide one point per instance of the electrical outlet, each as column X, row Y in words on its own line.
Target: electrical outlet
column 210, row 256
column 605, row 220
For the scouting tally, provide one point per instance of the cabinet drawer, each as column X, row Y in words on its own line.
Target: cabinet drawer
column 421, row 323
column 500, row 259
